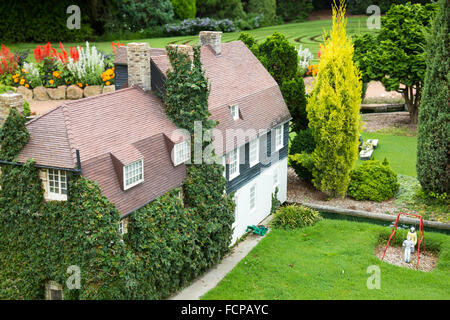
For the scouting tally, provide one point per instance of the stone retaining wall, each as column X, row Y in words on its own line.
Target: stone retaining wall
column 72, row 92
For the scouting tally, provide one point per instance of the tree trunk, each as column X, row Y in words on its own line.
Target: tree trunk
column 412, row 102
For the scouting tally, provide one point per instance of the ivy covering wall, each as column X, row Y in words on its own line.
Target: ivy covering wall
column 169, row 242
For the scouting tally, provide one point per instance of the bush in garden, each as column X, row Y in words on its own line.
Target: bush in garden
column 300, row 157
column 266, row 7
column 279, row 57
column 395, row 56
column 373, row 180
column 434, row 115
column 360, row 6
column 184, row 9
column 219, row 9
column 39, row 21
column 294, row 95
column 250, row 42
column 194, row 26
column 252, row 21
column 295, row 216
column 333, row 111
column 297, row 10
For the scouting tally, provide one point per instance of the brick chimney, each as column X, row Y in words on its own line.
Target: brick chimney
column 212, row 39
column 184, row 49
column 139, row 65
column 8, row 101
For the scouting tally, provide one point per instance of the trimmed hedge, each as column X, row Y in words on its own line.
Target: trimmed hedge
column 26, row 20
column 374, row 181
column 295, row 216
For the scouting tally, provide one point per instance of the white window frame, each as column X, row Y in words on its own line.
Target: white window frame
column 234, row 109
column 255, row 144
column 125, row 178
column 233, row 175
column 252, row 199
column 181, row 153
column 59, row 175
column 279, row 134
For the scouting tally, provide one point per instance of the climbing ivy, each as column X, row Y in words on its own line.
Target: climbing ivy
column 13, row 136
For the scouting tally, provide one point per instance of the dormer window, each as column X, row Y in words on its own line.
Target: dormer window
column 182, row 153
column 234, row 111
column 133, row 174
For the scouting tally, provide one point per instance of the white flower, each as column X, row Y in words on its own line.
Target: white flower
column 305, row 57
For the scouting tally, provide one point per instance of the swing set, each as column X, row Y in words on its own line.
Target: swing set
column 420, row 235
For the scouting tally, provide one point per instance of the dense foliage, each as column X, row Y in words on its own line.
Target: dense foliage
column 184, row 9
column 294, row 10
column 294, row 95
column 26, row 21
column 194, row 26
column 294, row 216
column 333, row 111
column 13, row 136
column 434, row 115
column 373, row 180
column 360, row 6
column 302, row 146
column 267, row 8
column 395, row 56
column 219, row 9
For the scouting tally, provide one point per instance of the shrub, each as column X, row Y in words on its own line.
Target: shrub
column 294, row 95
column 250, row 42
column 219, row 9
column 13, row 136
column 184, row 9
column 434, row 114
column 360, row 6
column 303, row 165
column 279, row 57
column 252, row 21
column 194, row 26
column 374, row 181
column 297, row 10
column 24, row 21
column 295, row 216
column 265, row 7
column 333, row 111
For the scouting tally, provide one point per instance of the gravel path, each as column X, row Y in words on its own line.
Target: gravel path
column 394, row 255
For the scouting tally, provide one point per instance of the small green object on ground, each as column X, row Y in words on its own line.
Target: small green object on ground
column 259, row 230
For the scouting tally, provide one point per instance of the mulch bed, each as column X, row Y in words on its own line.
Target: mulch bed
column 394, row 255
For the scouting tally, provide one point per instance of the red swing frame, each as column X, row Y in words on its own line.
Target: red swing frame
column 421, row 234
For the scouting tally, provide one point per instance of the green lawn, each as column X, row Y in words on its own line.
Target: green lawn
column 309, row 34
column 330, row 261
column 400, row 151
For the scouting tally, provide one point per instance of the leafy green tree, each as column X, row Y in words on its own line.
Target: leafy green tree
column 395, row 56
column 134, row 15
column 279, row 57
column 333, row 110
column 230, row 9
column 14, row 136
column 434, row 115
column 184, row 9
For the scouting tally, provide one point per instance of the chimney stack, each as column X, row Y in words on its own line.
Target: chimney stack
column 139, row 65
column 184, row 49
column 213, row 39
column 8, row 101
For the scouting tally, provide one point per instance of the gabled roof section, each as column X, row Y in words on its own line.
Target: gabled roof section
column 49, row 142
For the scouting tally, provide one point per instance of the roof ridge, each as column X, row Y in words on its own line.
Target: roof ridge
column 69, row 133
column 45, row 114
column 99, row 95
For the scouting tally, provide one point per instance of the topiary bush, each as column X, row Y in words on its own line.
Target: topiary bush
column 300, row 151
column 295, row 216
column 373, row 180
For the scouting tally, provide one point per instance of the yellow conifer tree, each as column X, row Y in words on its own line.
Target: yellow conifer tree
column 333, row 110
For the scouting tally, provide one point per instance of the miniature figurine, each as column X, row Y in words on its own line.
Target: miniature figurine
column 407, row 246
column 412, row 235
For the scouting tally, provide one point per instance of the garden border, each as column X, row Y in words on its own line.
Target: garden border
column 372, row 215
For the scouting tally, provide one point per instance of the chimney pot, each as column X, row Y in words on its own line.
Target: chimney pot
column 213, row 39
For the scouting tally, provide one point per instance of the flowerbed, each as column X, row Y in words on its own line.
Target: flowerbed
column 82, row 67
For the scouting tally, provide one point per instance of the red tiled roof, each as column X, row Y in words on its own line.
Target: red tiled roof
column 238, row 77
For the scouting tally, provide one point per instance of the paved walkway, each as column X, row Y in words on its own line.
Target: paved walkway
column 211, row 278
